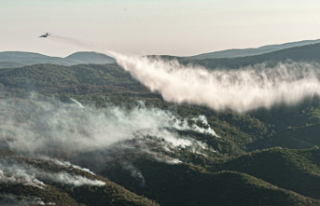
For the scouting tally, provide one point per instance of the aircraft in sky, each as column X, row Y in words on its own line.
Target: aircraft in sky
column 45, row 35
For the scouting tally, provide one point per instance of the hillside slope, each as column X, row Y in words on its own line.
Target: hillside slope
column 49, row 190
column 185, row 184
column 231, row 53
column 295, row 170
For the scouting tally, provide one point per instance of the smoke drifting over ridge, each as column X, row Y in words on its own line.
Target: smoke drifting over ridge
column 93, row 137
column 240, row 90
column 74, row 128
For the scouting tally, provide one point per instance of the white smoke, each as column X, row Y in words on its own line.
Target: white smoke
column 240, row 90
column 16, row 173
column 69, row 128
column 73, row 180
column 135, row 172
column 68, row 164
column 78, row 103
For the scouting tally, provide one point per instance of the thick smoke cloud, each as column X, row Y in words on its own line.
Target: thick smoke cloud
column 97, row 138
column 240, row 90
column 46, row 126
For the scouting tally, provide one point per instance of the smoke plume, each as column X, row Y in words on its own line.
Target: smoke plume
column 240, row 90
column 68, row 164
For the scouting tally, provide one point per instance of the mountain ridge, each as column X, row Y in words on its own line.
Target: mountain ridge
column 231, row 53
column 13, row 59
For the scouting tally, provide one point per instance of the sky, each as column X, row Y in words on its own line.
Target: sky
column 171, row 27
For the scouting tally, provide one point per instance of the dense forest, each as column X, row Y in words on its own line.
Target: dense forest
column 263, row 157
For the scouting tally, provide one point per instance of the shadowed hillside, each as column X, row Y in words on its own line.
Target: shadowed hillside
column 192, row 185
column 295, row 170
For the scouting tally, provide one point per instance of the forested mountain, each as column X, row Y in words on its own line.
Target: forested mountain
column 262, row 157
column 308, row 54
column 17, row 59
column 271, row 177
column 231, row 53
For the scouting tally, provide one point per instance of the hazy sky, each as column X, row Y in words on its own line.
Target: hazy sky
column 173, row 27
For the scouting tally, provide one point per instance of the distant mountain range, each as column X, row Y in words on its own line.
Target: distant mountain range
column 13, row 59
column 230, row 53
